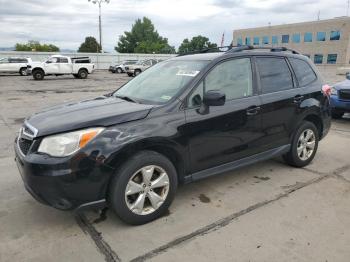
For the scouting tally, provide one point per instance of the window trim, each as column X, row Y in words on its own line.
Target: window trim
column 202, row 79
column 259, row 78
column 296, row 79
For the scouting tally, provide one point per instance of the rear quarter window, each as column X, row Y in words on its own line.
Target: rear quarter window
column 274, row 74
column 303, row 71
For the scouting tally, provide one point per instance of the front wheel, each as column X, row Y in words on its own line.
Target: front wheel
column 304, row 145
column 119, row 70
column 143, row 188
column 38, row 74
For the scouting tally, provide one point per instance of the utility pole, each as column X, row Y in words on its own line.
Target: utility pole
column 99, row 2
column 318, row 15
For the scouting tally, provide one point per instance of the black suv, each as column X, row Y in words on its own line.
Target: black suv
column 184, row 119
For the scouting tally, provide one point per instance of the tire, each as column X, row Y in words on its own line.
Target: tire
column 122, row 203
column 137, row 72
column 297, row 156
column 83, row 74
column 75, row 75
column 38, row 74
column 337, row 114
column 23, row 71
column 119, row 70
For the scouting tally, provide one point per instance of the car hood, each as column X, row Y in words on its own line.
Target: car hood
column 343, row 85
column 101, row 111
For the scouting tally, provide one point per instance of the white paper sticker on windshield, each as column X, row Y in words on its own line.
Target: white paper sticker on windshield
column 166, row 97
column 192, row 73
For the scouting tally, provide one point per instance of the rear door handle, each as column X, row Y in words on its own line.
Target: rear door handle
column 298, row 99
column 253, row 110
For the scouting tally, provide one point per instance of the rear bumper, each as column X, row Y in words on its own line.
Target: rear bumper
column 337, row 104
column 64, row 183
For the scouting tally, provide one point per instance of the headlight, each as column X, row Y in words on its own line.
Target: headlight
column 68, row 143
column 334, row 91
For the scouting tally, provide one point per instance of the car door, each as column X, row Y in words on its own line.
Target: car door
column 229, row 132
column 64, row 66
column 280, row 100
column 52, row 66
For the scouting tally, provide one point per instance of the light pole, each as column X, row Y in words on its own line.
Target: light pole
column 99, row 2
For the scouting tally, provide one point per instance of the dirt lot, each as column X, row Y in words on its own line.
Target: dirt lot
column 266, row 212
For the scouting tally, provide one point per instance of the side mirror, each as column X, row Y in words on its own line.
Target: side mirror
column 214, row 98
column 347, row 75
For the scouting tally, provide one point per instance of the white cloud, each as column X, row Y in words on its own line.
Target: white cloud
column 67, row 23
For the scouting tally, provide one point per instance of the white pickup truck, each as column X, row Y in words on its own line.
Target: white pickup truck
column 57, row 65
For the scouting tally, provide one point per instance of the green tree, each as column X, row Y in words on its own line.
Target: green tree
column 35, row 46
column 143, row 38
column 90, row 45
column 195, row 44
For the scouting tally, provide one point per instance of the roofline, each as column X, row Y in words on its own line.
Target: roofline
column 342, row 18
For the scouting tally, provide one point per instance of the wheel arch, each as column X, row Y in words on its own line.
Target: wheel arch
column 163, row 147
column 38, row 68
column 317, row 121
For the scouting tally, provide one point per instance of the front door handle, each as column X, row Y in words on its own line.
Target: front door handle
column 253, row 110
column 298, row 99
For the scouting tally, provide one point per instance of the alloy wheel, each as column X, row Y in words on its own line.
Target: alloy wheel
column 147, row 190
column 306, row 144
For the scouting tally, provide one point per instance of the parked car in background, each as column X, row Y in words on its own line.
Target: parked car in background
column 14, row 65
column 57, row 65
column 140, row 66
column 340, row 98
column 185, row 119
column 120, row 67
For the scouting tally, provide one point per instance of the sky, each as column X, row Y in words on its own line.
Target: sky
column 67, row 23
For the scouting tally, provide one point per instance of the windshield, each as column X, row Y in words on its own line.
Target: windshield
column 161, row 82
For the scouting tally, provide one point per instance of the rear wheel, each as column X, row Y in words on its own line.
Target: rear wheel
column 23, row 71
column 38, row 74
column 304, row 145
column 337, row 114
column 82, row 74
column 119, row 70
column 143, row 188
column 137, row 72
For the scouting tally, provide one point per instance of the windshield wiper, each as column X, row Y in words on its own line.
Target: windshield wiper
column 126, row 98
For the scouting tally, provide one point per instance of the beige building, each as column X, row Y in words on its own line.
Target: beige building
column 326, row 42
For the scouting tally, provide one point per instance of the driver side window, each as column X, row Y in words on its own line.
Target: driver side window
column 233, row 77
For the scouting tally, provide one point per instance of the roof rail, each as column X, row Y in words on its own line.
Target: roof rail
column 272, row 49
column 207, row 50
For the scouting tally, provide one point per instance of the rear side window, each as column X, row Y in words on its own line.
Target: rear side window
column 303, row 71
column 274, row 74
column 63, row 60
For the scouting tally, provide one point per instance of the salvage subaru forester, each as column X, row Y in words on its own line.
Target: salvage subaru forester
column 184, row 119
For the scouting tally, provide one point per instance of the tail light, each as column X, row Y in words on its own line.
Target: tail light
column 327, row 90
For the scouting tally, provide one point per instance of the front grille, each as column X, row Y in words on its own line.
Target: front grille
column 24, row 145
column 344, row 94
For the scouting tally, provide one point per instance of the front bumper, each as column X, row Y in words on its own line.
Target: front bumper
column 64, row 183
column 339, row 104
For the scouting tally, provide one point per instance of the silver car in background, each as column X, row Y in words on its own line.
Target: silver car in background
column 14, row 65
column 120, row 67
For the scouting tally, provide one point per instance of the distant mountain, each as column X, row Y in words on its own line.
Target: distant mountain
column 7, row 48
